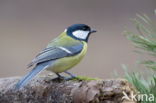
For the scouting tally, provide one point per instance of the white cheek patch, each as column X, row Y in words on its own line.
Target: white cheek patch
column 81, row 34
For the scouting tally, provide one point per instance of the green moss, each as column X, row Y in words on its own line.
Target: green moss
column 85, row 78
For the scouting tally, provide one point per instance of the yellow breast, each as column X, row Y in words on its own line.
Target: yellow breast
column 66, row 63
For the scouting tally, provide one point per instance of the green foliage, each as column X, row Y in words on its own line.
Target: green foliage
column 149, row 64
column 146, row 37
column 145, row 40
column 142, row 85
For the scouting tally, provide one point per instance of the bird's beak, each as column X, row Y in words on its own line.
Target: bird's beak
column 93, row 31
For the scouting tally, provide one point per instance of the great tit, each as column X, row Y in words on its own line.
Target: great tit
column 61, row 54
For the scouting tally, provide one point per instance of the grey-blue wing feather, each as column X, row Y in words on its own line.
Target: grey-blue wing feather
column 53, row 53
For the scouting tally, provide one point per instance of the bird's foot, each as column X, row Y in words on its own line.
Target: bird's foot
column 72, row 76
column 66, row 78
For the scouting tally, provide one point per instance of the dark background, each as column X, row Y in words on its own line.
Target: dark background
column 26, row 26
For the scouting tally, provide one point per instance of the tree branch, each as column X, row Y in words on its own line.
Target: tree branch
column 45, row 90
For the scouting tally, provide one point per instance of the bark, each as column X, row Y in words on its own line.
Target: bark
column 46, row 90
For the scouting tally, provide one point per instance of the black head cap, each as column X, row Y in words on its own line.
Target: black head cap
column 79, row 31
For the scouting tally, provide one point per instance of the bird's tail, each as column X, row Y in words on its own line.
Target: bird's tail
column 30, row 76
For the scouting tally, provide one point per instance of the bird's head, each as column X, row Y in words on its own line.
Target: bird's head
column 79, row 31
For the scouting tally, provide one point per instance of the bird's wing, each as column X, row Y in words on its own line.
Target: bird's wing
column 56, row 52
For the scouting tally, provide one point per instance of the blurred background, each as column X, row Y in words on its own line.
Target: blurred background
column 26, row 26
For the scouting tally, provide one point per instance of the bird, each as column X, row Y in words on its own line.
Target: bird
column 61, row 54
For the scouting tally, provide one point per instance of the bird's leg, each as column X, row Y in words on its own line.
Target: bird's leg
column 66, row 78
column 71, row 75
column 60, row 76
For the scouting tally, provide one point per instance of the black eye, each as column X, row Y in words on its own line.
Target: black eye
column 85, row 28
